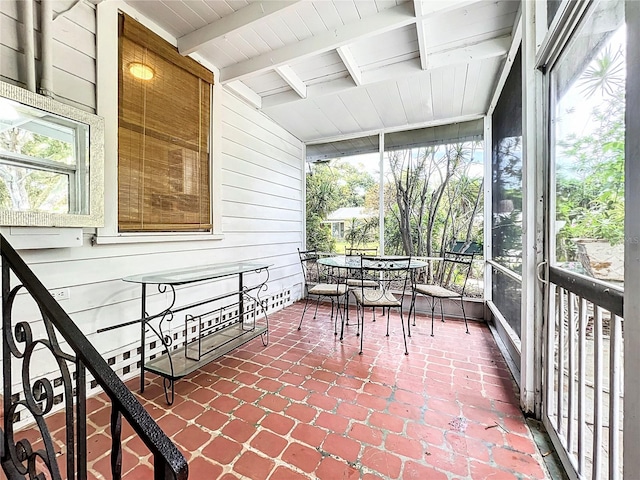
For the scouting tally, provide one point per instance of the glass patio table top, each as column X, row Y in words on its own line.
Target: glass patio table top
column 384, row 262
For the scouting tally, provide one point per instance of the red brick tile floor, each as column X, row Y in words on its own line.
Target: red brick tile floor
column 309, row 406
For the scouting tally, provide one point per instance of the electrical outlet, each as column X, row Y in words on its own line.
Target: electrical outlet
column 60, row 294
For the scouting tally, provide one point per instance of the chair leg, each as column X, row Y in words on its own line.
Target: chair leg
column 433, row 307
column 316, row 312
column 338, row 311
column 306, row 304
column 441, row 312
column 346, row 314
column 332, row 305
column 361, row 324
column 347, row 308
column 388, row 309
column 464, row 316
column 335, row 319
column 412, row 307
column 406, row 350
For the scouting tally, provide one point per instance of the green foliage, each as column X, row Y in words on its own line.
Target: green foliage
column 590, row 181
column 431, row 199
column 24, row 188
column 330, row 186
column 429, row 194
column 506, row 223
column 362, row 232
column 319, row 234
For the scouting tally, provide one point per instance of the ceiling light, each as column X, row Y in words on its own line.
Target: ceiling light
column 141, row 71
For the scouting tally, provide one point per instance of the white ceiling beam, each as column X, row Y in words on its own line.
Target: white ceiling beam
column 430, row 7
column 382, row 22
column 313, row 91
column 481, row 50
column 244, row 17
column 334, row 87
column 506, row 68
column 245, row 93
column 399, row 128
column 292, row 78
column 350, row 63
column 466, row 53
column 421, row 31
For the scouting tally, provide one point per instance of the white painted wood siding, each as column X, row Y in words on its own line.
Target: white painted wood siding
column 261, row 202
column 74, row 50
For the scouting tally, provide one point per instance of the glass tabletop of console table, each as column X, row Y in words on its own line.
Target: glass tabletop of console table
column 181, row 276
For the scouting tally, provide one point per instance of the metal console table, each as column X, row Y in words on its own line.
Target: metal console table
column 216, row 325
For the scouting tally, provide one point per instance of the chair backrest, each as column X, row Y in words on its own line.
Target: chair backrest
column 392, row 273
column 314, row 272
column 310, row 267
column 454, row 271
column 360, row 251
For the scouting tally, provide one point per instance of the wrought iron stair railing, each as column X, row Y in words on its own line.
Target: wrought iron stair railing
column 22, row 348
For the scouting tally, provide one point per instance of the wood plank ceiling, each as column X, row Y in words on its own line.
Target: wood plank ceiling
column 333, row 69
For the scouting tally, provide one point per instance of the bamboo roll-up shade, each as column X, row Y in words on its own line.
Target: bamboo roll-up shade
column 163, row 144
column 141, row 35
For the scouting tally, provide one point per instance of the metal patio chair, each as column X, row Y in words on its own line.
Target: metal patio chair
column 392, row 274
column 321, row 282
column 354, row 279
column 449, row 284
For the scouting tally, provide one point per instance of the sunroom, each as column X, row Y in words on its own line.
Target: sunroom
column 163, row 163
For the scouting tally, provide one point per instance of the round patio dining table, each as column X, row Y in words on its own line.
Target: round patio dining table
column 378, row 262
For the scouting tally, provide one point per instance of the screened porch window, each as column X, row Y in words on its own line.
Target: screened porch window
column 506, row 200
column 433, row 188
column 588, row 91
column 431, row 181
column 163, row 136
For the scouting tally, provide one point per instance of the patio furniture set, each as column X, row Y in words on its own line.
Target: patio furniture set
column 380, row 281
column 220, row 323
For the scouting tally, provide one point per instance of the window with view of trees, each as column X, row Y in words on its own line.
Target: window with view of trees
column 506, row 199
column 589, row 92
column 345, row 185
column 163, row 135
column 432, row 195
column 43, row 161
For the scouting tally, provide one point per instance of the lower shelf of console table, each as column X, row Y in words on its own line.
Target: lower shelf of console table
column 217, row 344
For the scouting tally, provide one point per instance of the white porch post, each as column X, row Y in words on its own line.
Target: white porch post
column 631, row 459
column 532, row 209
column 488, row 213
column 381, row 193
column 303, row 200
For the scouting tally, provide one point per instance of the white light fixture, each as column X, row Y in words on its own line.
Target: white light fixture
column 141, row 71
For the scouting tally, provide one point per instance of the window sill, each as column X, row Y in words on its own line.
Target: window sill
column 153, row 238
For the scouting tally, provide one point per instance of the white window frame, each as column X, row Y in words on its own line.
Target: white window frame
column 85, row 197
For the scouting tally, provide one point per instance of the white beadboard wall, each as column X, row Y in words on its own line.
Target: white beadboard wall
column 261, row 201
